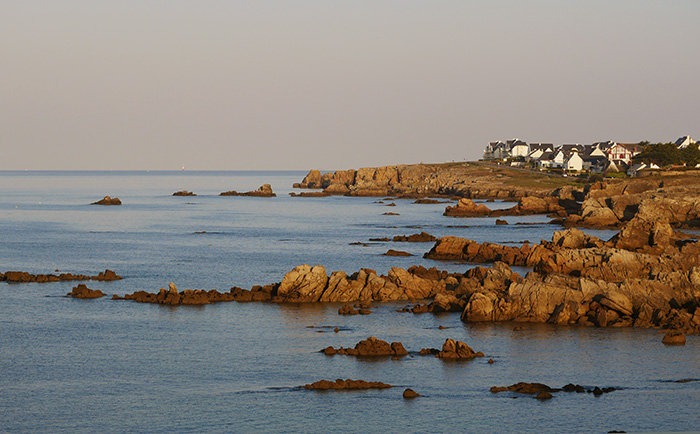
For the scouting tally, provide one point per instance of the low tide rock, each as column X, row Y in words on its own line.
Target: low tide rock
column 82, row 291
column 410, row 394
column 108, row 201
column 346, row 385
column 457, row 350
column 674, row 338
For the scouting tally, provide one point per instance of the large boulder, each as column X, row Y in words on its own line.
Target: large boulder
column 304, row 284
column 467, row 208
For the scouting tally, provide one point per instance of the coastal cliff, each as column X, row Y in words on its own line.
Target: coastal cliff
column 469, row 180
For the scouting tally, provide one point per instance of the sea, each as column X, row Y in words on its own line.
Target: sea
column 85, row 366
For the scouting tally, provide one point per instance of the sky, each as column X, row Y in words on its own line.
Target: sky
column 335, row 84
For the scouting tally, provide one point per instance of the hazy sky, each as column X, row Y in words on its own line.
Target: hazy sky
column 262, row 84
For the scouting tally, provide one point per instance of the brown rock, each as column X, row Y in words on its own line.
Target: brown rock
column 108, row 201
column 346, row 385
column 410, row 394
column 184, row 193
column 674, row 337
column 392, row 252
column 82, row 291
column 467, row 208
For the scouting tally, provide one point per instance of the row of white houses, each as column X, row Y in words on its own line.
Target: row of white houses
column 599, row 157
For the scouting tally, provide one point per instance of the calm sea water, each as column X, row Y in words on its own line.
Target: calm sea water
column 88, row 366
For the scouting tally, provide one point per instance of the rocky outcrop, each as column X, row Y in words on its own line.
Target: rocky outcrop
column 674, row 338
column 392, row 252
column 184, row 193
column 422, row 237
column 527, row 388
column 346, row 385
column 468, row 180
column 410, row 394
column 108, row 201
column 371, row 347
column 264, row 191
column 82, row 291
column 24, row 277
column 467, row 208
column 457, row 350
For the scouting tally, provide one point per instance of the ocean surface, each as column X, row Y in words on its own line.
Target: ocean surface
column 85, row 366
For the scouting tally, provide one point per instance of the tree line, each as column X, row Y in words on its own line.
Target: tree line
column 668, row 154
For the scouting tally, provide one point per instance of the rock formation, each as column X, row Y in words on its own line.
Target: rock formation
column 264, row 191
column 346, row 385
column 184, row 193
column 108, row 201
column 370, row 347
column 457, row 350
column 82, row 291
column 24, row 277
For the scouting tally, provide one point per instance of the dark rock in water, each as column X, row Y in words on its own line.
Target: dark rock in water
column 457, row 350
column 184, row 193
column 674, row 337
column 529, row 388
column 349, row 310
column 410, row 394
column 108, row 201
column 24, row 277
column 544, row 395
column 501, row 222
column 422, row 237
column 82, row 291
column 392, row 252
column 370, row 347
column 380, row 239
column 346, row 385
column 574, row 388
column 430, row 201
column 390, row 213
column 264, row 191
column 467, row 208
column 310, row 194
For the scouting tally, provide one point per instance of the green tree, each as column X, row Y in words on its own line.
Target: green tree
column 663, row 154
column 690, row 155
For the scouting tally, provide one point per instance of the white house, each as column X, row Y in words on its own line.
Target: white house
column 684, row 142
column 519, row 149
column 632, row 171
column 574, row 161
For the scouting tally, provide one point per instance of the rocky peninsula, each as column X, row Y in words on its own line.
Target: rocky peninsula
column 647, row 275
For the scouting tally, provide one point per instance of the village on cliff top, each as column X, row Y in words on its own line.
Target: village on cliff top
column 600, row 157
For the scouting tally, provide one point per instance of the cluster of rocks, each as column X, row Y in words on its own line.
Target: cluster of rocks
column 184, row 193
column 392, row 252
column 581, row 279
column 359, row 309
column 108, row 201
column 340, row 384
column 542, row 391
column 454, row 350
column 24, row 277
column 264, row 191
column 173, row 297
column 421, row 180
column 370, row 347
column 82, row 291
column 527, row 205
column 422, row 237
